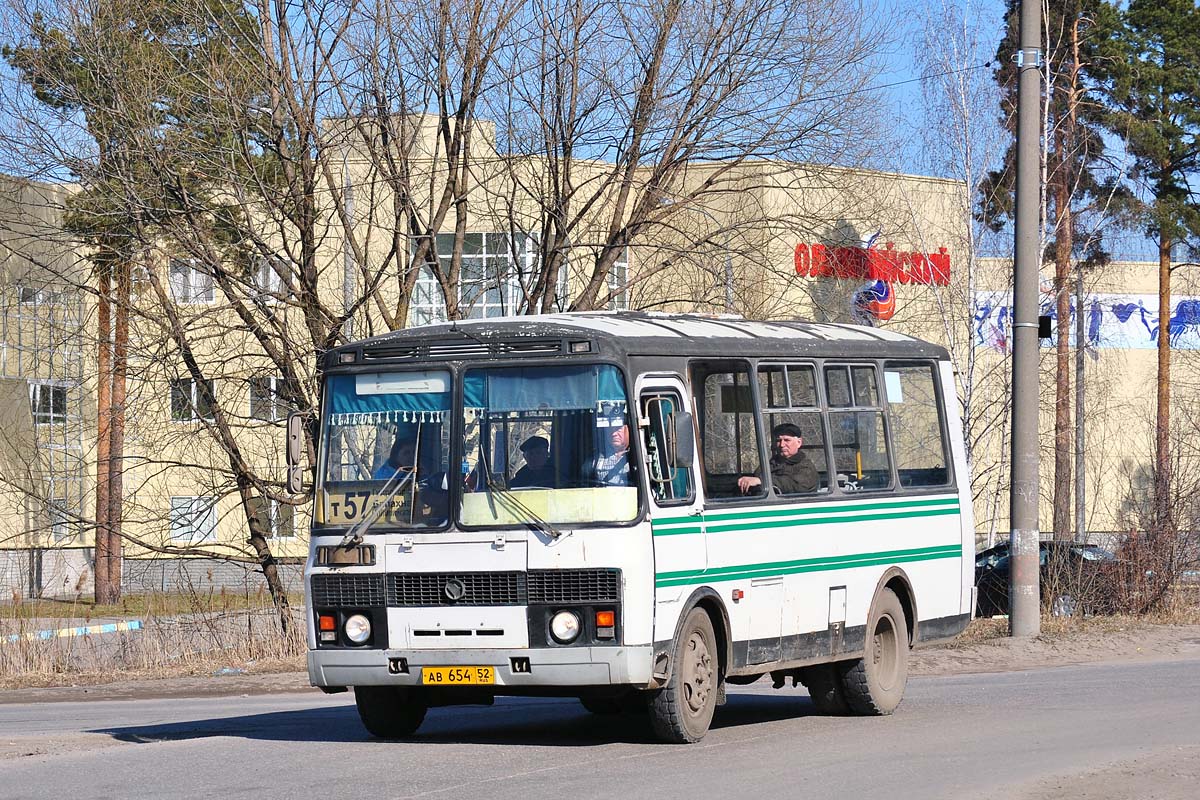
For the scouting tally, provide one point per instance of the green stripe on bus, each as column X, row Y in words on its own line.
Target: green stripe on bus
column 677, row 531
column 841, row 508
column 823, row 559
column 752, row 521
column 788, row 523
column 767, row 570
column 797, row 570
column 836, row 509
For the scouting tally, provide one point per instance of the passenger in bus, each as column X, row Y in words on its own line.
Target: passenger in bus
column 538, row 471
column 613, row 469
column 791, row 470
column 402, row 458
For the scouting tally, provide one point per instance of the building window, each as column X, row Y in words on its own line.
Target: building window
column 266, row 398
column 49, row 403
column 193, row 519
column 189, row 284
column 37, row 296
column 277, row 519
column 266, row 280
column 618, row 283
column 60, row 520
column 192, row 401
column 493, row 267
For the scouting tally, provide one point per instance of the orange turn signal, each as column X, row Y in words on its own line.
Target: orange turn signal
column 326, row 623
column 605, row 619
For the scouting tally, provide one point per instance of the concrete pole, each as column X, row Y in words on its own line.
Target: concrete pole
column 1024, row 604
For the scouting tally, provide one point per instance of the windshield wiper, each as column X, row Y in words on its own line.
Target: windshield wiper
column 354, row 536
column 513, row 505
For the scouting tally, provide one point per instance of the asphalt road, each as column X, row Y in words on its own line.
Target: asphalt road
column 1052, row 732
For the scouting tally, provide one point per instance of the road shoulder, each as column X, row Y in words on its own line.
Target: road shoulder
column 1091, row 644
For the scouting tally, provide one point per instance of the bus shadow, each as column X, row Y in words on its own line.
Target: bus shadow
column 512, row 721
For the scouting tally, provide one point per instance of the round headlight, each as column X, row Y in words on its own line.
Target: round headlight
column 564, row 626
column 357, row 628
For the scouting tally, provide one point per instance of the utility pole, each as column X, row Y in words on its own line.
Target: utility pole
column 1024, row 602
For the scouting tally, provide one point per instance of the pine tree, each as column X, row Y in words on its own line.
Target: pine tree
column 1148, row 75
column 1074, row 154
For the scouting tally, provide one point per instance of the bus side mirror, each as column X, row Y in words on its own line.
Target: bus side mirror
column 685, row 440
column 295, row 452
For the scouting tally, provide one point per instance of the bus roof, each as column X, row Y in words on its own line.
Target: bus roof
column 638, row 333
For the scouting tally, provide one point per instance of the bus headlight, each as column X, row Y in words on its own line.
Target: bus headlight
column 357, row 628
column 564, row 627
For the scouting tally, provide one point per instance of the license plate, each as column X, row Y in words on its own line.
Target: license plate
column 457, row 676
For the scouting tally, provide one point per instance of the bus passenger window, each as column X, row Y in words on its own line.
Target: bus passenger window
column 729, row 434
column 668, row 483
column 920, row 450
column 797, row 435
column 856, row 424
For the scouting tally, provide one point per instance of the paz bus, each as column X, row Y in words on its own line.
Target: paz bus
column 633, row 509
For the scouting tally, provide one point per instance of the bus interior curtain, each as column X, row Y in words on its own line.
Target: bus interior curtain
column 344, row 399
column 565, row 388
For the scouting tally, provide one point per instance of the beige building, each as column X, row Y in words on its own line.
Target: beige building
column 779, row 241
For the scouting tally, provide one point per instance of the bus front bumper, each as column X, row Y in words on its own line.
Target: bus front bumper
column 558, row 666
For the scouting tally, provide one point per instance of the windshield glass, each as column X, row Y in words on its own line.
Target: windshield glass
column 386, row 443
column 547, row 444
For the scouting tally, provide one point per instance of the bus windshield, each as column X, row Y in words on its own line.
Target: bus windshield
column 547, row 444
column 386, row 444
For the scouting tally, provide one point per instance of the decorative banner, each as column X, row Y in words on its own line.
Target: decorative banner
column 871, row 264
column 1116, row 321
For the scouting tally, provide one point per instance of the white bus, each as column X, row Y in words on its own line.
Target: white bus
column 633, row 509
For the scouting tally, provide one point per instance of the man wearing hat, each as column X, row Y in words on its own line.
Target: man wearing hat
column 538, row 471
column 791, row 470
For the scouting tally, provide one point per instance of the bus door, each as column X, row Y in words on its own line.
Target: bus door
column 676, row 505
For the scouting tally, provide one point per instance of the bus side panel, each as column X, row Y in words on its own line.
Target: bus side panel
column 787, row 573
column 963, row 478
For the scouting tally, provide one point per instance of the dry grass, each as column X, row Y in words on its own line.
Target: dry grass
column 182, row 635
column 1182, row 609
column 137, row 606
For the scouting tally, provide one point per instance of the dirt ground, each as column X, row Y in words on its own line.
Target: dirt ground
column 983, row 648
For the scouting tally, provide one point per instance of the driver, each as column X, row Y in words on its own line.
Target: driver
column 538, row 471
column 402, row 458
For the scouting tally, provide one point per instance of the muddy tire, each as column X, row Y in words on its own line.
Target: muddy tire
column 682, row 710
column 388, row 712
column 824, row 684
column 874, row 684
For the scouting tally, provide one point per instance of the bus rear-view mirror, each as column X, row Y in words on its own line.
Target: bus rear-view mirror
column 295, row 452
column 685, row 439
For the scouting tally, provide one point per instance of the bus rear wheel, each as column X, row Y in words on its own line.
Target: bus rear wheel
column 824, row 684
column 874, row 684
column 683, row 709
column 388, row 712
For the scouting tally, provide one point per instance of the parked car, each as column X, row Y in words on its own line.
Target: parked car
column 1073, row 578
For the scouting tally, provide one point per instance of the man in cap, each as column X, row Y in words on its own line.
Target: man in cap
column 791, row 470
column 538, row 471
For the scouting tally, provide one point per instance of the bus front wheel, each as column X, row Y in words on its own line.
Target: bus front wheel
column 388, row 712
column 683, row 709
column 874, row 684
